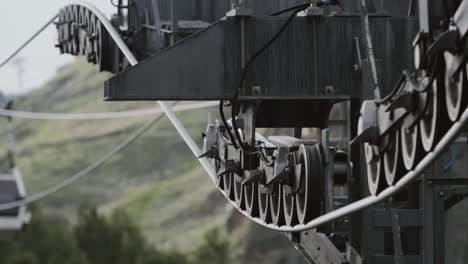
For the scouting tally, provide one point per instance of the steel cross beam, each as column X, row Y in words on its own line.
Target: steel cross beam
column 302, row 63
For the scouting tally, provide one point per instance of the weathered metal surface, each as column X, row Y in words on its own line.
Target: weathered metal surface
column 193, row 68
column 316, row 248
column 313, row 58
column 407, row 217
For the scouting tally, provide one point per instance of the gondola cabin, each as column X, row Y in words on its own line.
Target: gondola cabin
column 12, row 221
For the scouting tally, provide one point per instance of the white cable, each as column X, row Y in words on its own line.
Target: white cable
column 86, row 171
column 100, row 116
column 175, row 121
column 133, row 61
column 28, row 41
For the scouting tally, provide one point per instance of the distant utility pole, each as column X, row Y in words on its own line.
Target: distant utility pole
column 19, row 63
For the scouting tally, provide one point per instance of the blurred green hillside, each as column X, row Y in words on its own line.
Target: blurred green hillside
column 156, row 180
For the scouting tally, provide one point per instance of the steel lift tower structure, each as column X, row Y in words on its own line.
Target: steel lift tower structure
column 382, row 193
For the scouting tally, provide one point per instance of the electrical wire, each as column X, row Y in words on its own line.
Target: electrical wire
column 84, row 172
column 236, row 128
column 225, row 123
column 100, row 116
column 289, row 9
column 268, row 44
column 283, row 28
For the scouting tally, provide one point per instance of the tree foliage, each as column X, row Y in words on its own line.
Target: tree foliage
column 214, row 250
column 97, row 239
column 46, row 240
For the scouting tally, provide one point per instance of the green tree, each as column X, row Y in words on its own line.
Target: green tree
column 116, row 240
column 97, row 239
column 108, row 241
column 168, row 257
column 47, row 240
column 214, row 249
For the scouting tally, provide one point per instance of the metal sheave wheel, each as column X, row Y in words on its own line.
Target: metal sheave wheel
column 228, row 185
column 251, row 199
column 97, row 43
column 433, row 122
column 264, row 205
column 238, row 192
column 454, row 92
column 374, row 166
column 219, row 179
column 276, row 205
column 60, row 30
column 289, row 207
column 309, row 199
column 392, row 158
column 288, row 195
column 410, row 145
column 74, row 38
column 92, row 39
column 67, row 27
column 82, row 30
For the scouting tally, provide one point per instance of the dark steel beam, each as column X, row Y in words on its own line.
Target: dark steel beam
column 313, row 58
column 189, row 68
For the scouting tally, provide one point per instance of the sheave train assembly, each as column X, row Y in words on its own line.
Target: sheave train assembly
column 398, row 69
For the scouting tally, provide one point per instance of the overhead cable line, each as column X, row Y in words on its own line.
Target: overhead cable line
column 86, row 171
column 102, row 115
column 50, row 21
column 133, row 61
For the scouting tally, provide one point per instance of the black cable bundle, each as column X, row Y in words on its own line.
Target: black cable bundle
column 295, row 9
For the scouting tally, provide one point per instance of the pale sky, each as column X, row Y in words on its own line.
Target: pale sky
column 19, row 19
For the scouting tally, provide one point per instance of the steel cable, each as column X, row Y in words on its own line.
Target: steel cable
column 366, row 34
column 86, row 171
column 133, row 61
column 100, row 116
column 28, row 41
